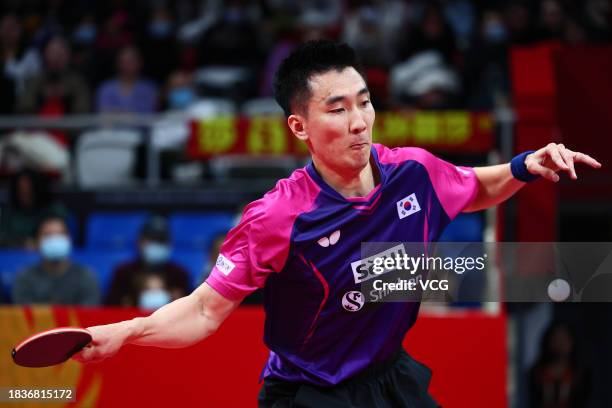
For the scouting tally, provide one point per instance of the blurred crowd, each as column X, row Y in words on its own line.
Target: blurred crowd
column 65, row 57
column 41, row 254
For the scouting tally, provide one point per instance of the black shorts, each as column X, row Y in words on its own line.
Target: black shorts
column 399, row 382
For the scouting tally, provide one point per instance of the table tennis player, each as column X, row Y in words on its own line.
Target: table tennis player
column 328, row 346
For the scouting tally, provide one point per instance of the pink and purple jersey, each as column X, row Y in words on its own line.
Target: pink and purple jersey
column 298, row 243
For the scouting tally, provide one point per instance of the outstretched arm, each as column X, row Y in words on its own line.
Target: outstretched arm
column 497, row 183
column 181, row 323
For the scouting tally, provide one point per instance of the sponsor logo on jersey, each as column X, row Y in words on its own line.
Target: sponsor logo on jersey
column 353, row 301
column 224, row 265
column 363, row 269
column 332, row 240
column 408, row 206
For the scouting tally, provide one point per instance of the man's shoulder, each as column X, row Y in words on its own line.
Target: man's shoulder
column 28, row 272
column 290, row 197
column 81, row 270
column 398, row 155
column 109, row 86
column 290, row 194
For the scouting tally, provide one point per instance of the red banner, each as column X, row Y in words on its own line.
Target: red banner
column 466, row 351
column 447, row 131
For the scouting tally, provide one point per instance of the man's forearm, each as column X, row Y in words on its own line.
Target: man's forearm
column 496, row 185
column 181, row 323
column 178, row 324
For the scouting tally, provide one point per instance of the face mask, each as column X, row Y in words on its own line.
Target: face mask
column 152, row 299
column 55, row 247
column 85, row 34
column 180, row 98
column 155, row 253
column 160, row 28
column 495, row 32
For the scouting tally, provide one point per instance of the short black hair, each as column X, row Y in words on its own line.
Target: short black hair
column 156, row 228
column 313, row 57
column 49, row 217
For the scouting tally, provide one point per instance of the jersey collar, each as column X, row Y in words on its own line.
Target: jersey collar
column 314, row 174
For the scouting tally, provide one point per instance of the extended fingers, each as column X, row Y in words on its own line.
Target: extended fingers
column 554, row 152
column 586, row 159
column 568, row 157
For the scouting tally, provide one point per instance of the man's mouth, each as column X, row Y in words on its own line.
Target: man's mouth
column 359, row 146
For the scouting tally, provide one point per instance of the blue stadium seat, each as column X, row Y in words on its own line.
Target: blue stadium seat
column 12, row 261
column 465, row 228
column 194, row 262
column 114, row 230
column 102, row 263
column 196, row 231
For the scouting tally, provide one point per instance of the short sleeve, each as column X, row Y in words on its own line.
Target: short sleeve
column 455, row 186
column 249, row 254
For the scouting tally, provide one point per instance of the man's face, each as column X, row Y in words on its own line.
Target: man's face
column 129, row 63
column 52, row 227
column 337, row 124
column 57, row 55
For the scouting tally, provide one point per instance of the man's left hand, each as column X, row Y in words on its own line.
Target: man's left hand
column 547, row 161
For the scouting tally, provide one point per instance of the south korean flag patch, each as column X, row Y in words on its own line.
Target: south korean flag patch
column 408, row 206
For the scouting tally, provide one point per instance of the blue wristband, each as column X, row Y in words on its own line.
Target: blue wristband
column 519, row 169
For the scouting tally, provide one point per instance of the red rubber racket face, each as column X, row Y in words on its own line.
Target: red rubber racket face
column 50, row 347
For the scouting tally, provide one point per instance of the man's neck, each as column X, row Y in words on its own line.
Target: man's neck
column 55, row 268
column 349, row 184
column 127, row 81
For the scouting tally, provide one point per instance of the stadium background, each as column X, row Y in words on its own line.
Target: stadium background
column 472, row 81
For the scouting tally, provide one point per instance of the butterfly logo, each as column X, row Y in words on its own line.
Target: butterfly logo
column 332, row 240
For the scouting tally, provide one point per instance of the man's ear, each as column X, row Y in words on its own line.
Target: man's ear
column 297, row 124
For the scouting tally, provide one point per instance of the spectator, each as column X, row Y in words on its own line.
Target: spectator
column 115, row 34
column 486, row 76
column 83, row 38
column 29, row 202
column 286, row 40
column 432, row 32
column 558, row 380
column 232, row 40
column 180, row 91
column 160, row 51
column 18, row 62
column 518, row 21
column 575, row 33
column 599, row 17
column 364, row 32
column 128, row 92
column 552, row 20
column 56, row 279
column 58, row 90
column 133, row 281
column 425, row 81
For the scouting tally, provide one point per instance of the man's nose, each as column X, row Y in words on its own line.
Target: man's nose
column 357, row 122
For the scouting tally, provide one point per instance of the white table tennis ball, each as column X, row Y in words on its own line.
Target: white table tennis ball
column 559, row 290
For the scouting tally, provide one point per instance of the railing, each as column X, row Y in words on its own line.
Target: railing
column 503, row 119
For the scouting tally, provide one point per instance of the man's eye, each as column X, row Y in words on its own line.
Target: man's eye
column 339, row 110
column 365, row 103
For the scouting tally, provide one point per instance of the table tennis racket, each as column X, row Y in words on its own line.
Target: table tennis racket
column 50, row 347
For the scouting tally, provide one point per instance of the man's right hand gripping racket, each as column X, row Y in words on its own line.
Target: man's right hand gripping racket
column 50, row 347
